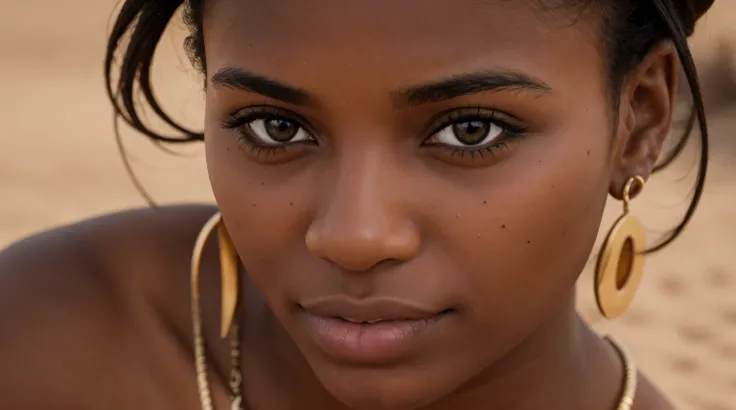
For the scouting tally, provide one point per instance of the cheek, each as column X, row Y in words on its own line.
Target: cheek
column 526, row 235
column 266, row 208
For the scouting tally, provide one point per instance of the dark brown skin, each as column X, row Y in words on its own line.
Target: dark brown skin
column 98, row 313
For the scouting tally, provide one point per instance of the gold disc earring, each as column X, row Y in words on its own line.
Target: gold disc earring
column 620, row 263
column 229, row 263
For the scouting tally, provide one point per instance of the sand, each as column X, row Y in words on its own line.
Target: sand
column 59, row 164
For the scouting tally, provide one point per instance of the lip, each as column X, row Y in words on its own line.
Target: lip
column 370, row 331
column 368, row 310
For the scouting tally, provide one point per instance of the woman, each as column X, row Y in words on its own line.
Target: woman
column 409, row 191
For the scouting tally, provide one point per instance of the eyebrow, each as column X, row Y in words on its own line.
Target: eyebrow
column 239, row 79
column 471, row 83
column 454, row 87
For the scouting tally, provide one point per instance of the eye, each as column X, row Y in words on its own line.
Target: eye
column 277, row 131
column 468, row 133
column 474, row 136
column 474, row 128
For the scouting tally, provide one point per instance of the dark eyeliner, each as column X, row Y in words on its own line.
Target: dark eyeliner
column 457, row 115
column 511, row 131
column 239, row 120
column 248, row 114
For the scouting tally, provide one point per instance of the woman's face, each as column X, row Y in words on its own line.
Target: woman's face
column 436, row 167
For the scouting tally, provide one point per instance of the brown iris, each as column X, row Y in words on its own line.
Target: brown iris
column 280, row 130
column 471, row 132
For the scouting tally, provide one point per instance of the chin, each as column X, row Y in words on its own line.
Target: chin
column 400, row 387
column 380, row 396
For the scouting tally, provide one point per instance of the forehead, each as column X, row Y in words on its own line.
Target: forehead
column 395, row 43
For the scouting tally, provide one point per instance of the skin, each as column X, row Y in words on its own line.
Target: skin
column 370, row 208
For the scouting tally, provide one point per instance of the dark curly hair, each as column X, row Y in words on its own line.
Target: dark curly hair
column 630, row 29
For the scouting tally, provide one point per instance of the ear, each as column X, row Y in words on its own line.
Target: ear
column 645, row 116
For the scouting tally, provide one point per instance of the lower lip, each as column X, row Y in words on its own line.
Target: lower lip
column 372, row 343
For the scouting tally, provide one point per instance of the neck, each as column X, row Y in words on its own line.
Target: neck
column 562, row 365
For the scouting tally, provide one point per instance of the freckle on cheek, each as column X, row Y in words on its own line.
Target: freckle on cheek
column 503, row 226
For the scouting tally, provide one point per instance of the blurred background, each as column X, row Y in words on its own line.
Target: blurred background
column 59, row 163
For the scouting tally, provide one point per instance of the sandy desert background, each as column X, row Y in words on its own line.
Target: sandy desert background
column 59, row 164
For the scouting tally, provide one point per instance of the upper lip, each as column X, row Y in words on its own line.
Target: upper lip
column 367, row 310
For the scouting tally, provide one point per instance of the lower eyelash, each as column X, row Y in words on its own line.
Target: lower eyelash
column 481, row 152
column 257, row 149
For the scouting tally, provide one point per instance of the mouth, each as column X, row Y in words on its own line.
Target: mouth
column 369, row 311
column 370, row 331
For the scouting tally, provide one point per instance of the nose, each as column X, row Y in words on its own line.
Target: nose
column 363, row 218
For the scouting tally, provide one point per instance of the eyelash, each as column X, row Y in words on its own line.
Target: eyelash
column 239, row 121
column 467, row 114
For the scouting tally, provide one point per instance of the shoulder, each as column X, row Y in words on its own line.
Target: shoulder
column 71, row 298
column 649, row 397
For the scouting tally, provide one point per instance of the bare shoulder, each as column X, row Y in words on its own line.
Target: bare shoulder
column 649, row 397
column 76, row 302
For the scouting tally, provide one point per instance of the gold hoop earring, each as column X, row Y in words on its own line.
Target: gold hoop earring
column 228, row 271
column 620, row 264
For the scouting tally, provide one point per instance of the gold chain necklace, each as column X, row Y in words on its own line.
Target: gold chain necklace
column 200, row 361
column 625, row 402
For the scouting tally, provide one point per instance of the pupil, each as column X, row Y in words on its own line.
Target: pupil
column 281, row 130
column 471, row 132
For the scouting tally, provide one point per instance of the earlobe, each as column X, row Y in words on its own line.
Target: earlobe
column 647, row 104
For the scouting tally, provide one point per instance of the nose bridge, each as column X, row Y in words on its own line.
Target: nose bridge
column 362, row 220
column 358, row 196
